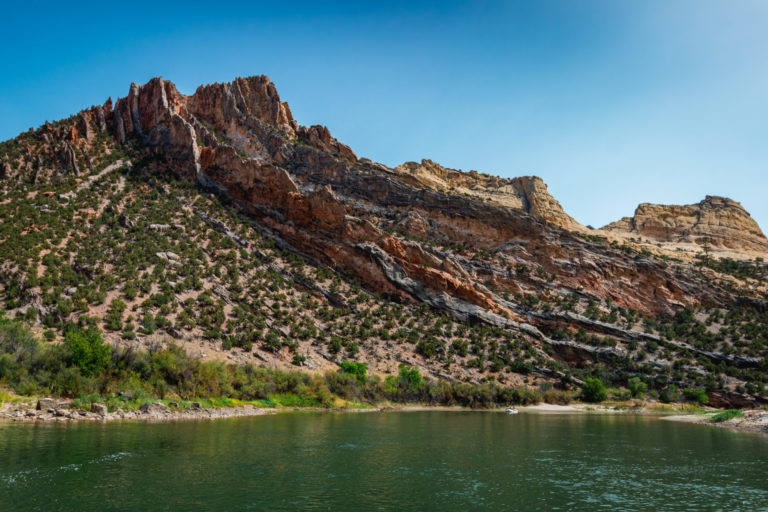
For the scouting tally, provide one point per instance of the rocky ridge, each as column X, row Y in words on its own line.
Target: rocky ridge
column 479, row 249
column 527, row 193
column 715, row 222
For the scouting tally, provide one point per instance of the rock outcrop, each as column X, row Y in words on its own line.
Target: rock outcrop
column 484, row 250
column 527, row 193
column 715, row 221
column 309, row 190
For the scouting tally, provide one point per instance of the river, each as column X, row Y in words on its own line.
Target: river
column 432, row 460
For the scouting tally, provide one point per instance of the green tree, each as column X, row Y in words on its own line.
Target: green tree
column 88, row 350
column 696, row 395
column 637, row 387
column 359, row 370
column 593, row 390
column 410, row 377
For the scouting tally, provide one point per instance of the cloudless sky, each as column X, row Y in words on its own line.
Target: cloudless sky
column 612, row 103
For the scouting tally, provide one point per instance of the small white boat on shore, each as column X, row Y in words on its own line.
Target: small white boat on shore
column 511, row 410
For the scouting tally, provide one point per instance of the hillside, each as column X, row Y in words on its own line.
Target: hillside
column 217, row 223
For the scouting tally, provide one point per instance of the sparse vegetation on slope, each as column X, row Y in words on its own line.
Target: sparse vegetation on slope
column 322, row 262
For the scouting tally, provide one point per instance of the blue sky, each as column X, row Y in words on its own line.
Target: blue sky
column 612, row 103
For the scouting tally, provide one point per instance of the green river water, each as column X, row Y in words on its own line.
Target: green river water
column 384, row 461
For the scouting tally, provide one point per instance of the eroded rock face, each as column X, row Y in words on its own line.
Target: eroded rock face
column 717, row 221
column 240, row 140
column 527, row 193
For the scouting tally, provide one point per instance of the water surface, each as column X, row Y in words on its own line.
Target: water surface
column 384, row 461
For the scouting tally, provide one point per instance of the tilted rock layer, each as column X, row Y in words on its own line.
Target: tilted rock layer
column 528, row 193
column 715, row 221
column 498, row 255
column 240, row 140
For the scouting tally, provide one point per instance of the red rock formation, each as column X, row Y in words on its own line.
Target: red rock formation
column 241, row 140
column 462, row 252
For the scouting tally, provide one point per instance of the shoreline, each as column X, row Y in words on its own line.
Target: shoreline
column 25, row 411
column 753, row 420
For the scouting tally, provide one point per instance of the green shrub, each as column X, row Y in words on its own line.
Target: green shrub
column 637, row 387
column 670, row 394
column 359, row 370
column 558, row 397
column 726, row 415
column 410, row 376
column 695, row 395
column 88, row 352
column 593, row 390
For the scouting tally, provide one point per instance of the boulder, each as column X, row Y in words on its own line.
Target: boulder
column 154, row 408
column 126, row 221
column 99, row 409
column 45, row 404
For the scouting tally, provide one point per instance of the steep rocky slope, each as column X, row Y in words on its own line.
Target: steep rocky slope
column 216, row 218
column 714, row 222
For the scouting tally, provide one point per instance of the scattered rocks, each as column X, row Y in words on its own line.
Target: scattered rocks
column 155, row 411
column 223, row 293
column 169, row 256
column 126, row 221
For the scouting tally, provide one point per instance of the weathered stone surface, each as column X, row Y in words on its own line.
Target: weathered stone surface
column 468, row 244
column 99, row 409
column 527, row 193
column 241, row 141
column 715, row 221
column 45, row 404
column 154, row 408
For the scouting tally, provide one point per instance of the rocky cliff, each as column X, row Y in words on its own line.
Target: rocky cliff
column 714, row 222
column 216, row 202
column 527, row 193
column 396, row 230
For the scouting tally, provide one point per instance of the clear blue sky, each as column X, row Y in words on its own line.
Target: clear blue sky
column 612, row 103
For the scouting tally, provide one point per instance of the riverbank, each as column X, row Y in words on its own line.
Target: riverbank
column 65, row 412
column 16, row 408
column 750, row 420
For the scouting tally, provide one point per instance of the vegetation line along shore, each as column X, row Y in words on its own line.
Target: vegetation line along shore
column 92, row 376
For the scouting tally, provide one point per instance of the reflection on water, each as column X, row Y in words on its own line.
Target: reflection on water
column 384, row 461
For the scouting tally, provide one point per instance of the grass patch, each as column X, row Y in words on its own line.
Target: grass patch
column 726, row 415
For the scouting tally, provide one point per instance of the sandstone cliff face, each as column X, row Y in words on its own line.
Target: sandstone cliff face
column 527, row 193
column 481, row 249
column 715, row 221
column 419, row 232
column 240, row 140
